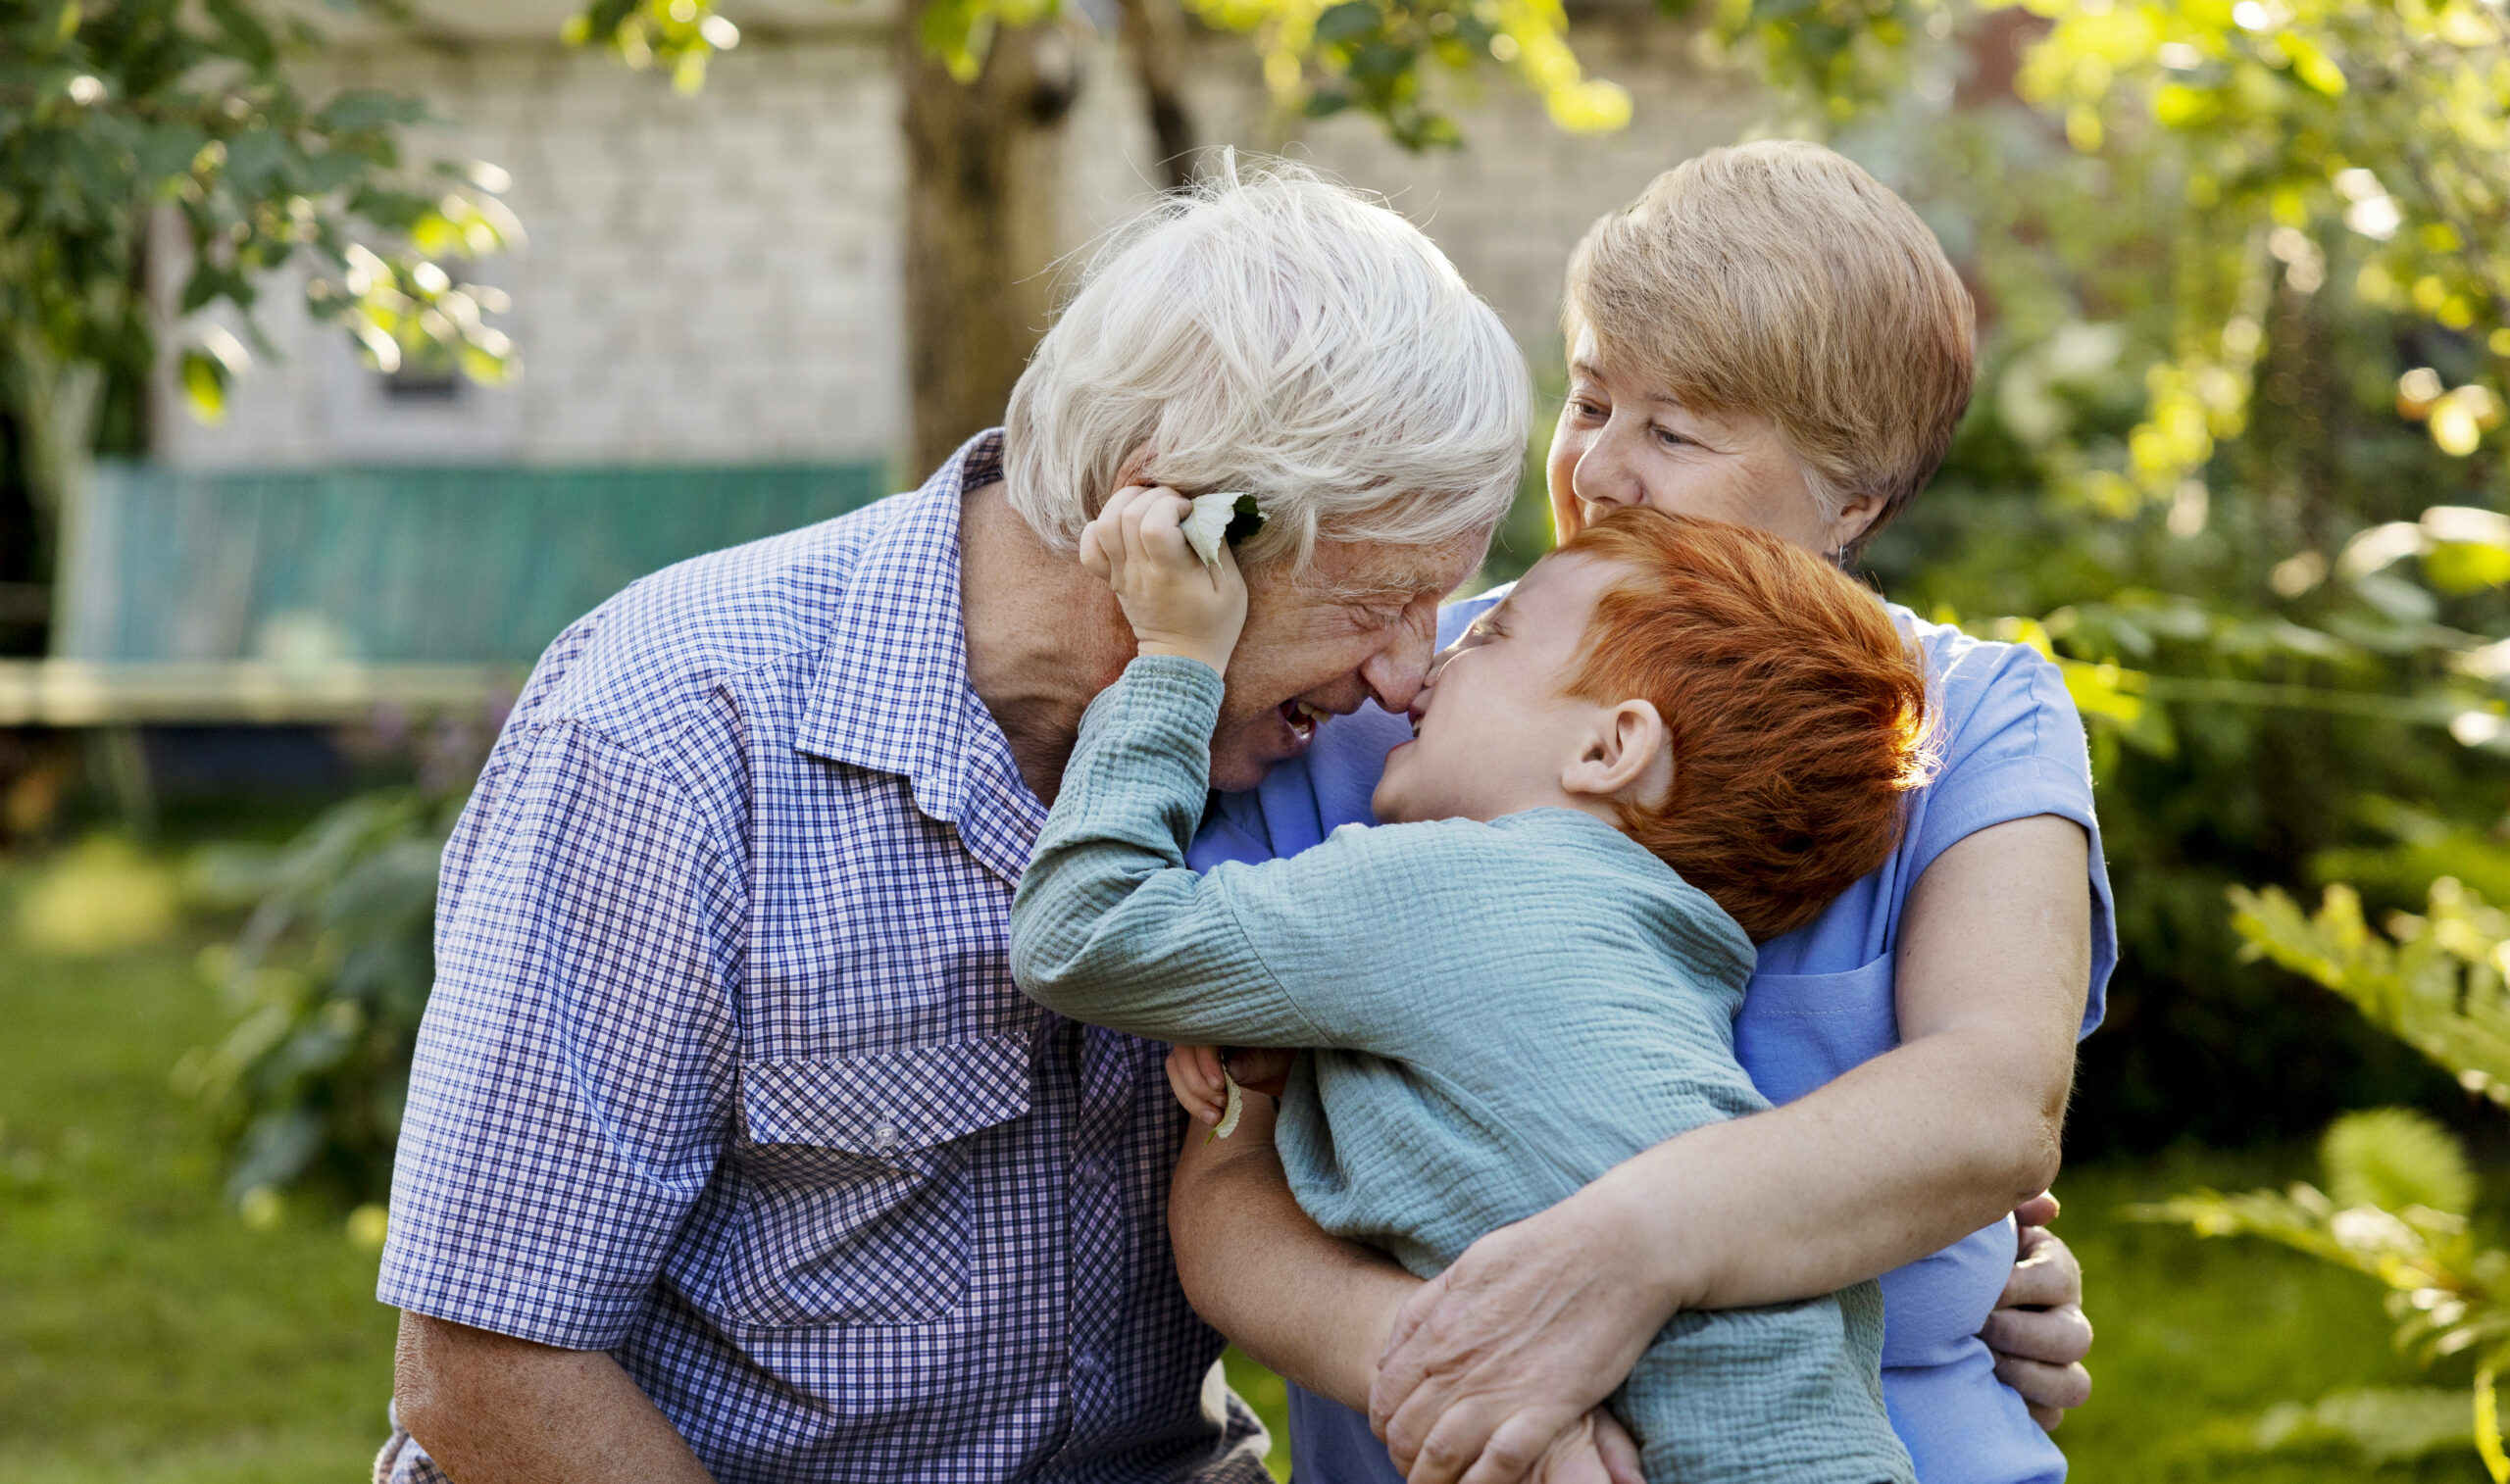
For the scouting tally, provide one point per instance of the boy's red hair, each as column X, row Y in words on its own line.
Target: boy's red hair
column 1796, row 712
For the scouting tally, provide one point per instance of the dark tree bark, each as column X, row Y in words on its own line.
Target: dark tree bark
column 983, row 170
column 1155, row 34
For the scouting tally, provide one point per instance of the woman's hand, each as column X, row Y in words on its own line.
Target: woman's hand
column 1498, row 1356
column 2038, row 1331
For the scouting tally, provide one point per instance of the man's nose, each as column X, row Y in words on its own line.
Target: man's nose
column 1396, row 673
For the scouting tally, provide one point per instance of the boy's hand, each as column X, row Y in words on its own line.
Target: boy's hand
column 1195, row 1076
column 1175, row 604
column 1199, row 1076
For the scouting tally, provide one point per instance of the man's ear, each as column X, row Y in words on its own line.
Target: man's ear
column 1135, row 470
column 1622, row 755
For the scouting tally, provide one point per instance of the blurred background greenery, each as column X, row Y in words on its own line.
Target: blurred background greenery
column 2236, row 461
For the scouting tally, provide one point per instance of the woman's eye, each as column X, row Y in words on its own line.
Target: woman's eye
column 1670, row 438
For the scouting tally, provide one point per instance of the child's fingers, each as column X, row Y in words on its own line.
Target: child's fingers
column 1162, row 532
column 1111, row 523
column 1094, row 554
column 1194, row 1076
column 1135, row 512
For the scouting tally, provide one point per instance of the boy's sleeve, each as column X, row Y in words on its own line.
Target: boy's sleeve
column 1109, row 926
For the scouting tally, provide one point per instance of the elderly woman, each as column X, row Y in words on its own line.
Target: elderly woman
column 733, row 1152
column 1766, row 336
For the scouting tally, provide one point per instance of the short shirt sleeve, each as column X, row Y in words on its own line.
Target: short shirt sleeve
column 574, row 1082
column 2013, row 748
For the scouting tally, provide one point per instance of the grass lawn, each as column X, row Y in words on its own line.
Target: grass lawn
column 147, row 1335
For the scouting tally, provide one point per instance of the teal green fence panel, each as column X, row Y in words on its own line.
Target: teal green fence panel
column 427, row 565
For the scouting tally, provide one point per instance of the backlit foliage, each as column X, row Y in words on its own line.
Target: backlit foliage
column 114, row 110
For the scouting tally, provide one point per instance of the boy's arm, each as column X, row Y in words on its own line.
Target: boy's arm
column 1109, row 926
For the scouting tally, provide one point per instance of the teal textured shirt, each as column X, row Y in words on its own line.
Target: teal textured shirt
column 1496, row 1015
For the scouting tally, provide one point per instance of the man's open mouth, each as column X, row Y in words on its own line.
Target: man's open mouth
column 1301, row 716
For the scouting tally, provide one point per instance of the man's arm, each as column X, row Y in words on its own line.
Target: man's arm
column 1892, row 1160
column 503, row 1411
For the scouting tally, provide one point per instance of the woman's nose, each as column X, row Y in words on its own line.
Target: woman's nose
column 1603, row 476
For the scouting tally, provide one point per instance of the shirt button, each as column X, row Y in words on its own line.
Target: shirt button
column 885, row 1138
column 1085, row 1363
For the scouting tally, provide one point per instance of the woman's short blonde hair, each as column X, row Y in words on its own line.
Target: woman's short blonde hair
column 1780, row 279
column 1276, row 334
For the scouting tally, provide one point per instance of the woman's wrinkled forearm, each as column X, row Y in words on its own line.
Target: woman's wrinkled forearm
column 1918, row 1148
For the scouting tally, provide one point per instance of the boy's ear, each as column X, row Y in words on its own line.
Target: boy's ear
column 1622, row 755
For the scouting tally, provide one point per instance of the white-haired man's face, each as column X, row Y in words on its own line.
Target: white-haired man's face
column 1360, row 624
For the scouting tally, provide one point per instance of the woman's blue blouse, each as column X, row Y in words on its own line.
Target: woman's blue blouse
column 2010, row 746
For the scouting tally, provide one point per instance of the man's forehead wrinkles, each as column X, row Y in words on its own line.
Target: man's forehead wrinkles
column 1384, row 575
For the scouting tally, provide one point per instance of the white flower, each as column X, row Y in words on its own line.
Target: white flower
column 1207, row 525
column 1228, row 1123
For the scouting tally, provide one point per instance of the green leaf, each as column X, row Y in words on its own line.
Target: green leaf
column 361, row 109
column 1347, row 23
column 204, row 378
column 1381, row 63
column 251, row 41
column 254, row 157
column 2458, row 567
column 2393, row 1158
column 168, row 148
column 2384, row 1425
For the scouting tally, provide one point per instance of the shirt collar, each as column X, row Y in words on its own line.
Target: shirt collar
column 892, row 691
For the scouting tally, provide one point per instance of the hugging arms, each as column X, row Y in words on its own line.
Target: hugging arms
column 722, row 968
column 1898, row 1158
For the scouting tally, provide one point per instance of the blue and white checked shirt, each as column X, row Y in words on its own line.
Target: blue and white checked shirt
column 725, row 1075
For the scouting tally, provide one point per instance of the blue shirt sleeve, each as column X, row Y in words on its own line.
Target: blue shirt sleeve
column 574, row 1082
column 2013, row 748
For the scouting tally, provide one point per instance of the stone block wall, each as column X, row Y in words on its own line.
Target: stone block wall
column 716, row 279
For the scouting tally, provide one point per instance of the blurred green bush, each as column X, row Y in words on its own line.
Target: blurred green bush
column 329, row 977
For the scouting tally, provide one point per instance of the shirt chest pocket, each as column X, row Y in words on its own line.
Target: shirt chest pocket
column 852, row 1184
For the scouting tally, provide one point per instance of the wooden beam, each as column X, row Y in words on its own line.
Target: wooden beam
column 84, row 693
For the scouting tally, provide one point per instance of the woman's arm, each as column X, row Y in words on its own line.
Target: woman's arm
column 1894, row 1159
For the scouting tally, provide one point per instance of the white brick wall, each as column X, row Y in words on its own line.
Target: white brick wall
column 717, row 280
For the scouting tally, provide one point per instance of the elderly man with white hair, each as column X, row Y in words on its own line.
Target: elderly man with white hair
column 732, row 1149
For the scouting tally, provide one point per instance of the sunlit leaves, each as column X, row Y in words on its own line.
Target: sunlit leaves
column 2398, row 1185
column 1374, row 55
column 2281, row 122
column 147, row 103
column 2383, row 119
column 681, row 35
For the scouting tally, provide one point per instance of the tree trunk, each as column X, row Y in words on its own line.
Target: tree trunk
column 982, row 198
column 59, row 404
column 1155, row 35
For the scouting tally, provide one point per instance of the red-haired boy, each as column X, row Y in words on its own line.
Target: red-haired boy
column 1675, row 738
